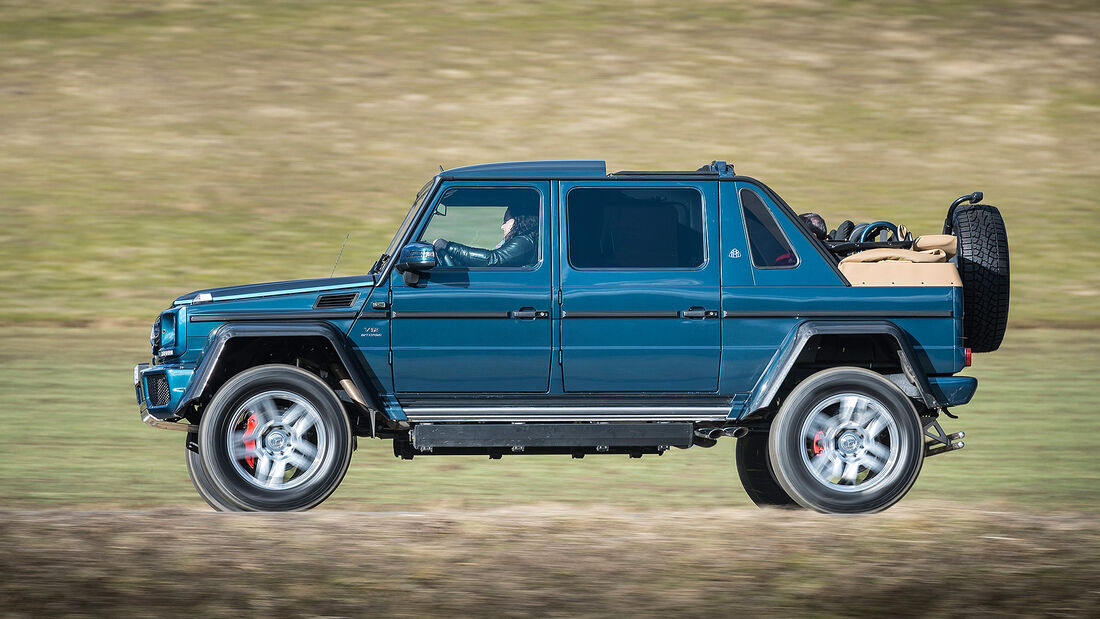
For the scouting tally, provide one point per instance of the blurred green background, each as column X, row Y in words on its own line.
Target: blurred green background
column 150, row 149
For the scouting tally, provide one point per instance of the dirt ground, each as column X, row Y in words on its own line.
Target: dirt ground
column 918, row 559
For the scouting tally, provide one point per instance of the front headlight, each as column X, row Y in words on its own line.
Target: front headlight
column 166, row 334
column 168, row 330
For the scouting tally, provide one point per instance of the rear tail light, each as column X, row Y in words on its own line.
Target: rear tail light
column 968, row 357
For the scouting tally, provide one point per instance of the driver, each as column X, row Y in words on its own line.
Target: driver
column 518, row 248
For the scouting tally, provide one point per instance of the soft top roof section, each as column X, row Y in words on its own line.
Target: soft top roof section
column 575, row 169
column 530, row 169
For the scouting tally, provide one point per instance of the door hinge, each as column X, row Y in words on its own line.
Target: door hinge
column 559, row 357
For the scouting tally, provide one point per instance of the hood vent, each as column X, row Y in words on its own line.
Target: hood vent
column 336, row 301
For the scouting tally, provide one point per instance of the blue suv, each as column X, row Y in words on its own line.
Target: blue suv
column 548, row 307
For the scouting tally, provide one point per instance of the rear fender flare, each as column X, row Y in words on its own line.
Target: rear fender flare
column 767, row 388
column 199, row 388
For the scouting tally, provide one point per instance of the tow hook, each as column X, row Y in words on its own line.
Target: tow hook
column 938, row 441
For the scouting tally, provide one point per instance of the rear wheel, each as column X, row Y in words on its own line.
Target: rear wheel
column 756, row 475
column 275, row 438
column 846, row 441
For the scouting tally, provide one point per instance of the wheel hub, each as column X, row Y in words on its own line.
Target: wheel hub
column 276, row 440
column 850, row 442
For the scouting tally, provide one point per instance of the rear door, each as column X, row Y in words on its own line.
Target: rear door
column 640, row 292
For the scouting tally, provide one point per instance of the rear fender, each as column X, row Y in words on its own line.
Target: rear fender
column 767, row 388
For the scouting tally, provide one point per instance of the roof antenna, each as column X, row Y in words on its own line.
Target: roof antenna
column 441, row 168
column 339, row 254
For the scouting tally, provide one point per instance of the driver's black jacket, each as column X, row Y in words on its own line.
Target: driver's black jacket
column 518, row 251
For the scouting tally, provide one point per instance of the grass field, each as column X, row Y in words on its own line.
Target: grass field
column 927, row 561
column 148, row 151
column 151, row 149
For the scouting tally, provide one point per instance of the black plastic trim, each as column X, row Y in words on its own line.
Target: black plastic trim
column 264, row 316
column 330, row 297
column 839, row 314
column 621, row 314
column 373, row 314
column 404, row 314
column 768, row 386
column 522, row 435
column 216, row 342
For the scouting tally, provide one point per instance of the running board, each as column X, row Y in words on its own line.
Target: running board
column 497, row 412
column 544, row 438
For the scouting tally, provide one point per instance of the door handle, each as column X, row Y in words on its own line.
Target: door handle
column 530, row 313
column 698, row 312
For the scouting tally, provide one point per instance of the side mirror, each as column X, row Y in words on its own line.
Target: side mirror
column 415, row 257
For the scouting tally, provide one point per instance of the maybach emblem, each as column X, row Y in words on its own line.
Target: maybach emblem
column 735, row 253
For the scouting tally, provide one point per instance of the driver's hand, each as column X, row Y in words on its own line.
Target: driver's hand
column 439, row 244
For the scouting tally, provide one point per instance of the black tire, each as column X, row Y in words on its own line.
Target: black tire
column 880, row 438
column 300, row 447
column 755, row 471
column 206, row 488
column 983, row 267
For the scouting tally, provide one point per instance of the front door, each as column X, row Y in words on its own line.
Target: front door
column 480, row 321
column 640, row 288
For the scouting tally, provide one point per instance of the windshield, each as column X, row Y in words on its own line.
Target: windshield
column 417, row 203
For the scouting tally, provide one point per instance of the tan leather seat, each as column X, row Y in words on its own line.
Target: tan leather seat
column 900, row 267
column 901, row 255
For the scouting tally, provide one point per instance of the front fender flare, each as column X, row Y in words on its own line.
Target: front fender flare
column 199, row 386
column 767, row 388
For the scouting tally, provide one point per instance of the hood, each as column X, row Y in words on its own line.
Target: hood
column 276, row 288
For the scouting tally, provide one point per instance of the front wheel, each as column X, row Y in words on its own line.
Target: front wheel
column 274, row 438
column 205, row 486
column 846, row 441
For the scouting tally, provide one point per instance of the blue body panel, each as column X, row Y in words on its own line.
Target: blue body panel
column 608, row 333
column 953, row 390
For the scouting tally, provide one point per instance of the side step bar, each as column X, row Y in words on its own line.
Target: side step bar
column 562, row 438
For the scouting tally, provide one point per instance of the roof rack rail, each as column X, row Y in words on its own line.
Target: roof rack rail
column 714, row 168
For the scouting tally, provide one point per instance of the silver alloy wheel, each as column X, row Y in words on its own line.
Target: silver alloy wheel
column 850, row 443
column 276, row 440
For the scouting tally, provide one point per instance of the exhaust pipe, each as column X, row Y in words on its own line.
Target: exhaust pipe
column 713, row 434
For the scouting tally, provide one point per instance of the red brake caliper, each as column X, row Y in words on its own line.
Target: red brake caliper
column 249, row 428
column 817, row 445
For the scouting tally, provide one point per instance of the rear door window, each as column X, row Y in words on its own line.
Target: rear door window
column 635, row 228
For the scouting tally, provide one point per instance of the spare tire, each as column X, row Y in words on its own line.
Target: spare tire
column 983, row 267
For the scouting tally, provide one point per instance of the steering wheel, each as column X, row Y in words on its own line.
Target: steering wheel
column 874, row 228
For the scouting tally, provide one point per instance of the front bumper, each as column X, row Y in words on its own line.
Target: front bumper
column 158, row 389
